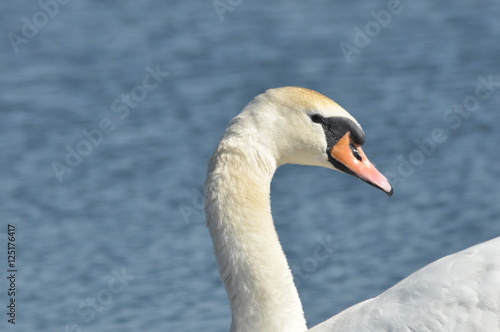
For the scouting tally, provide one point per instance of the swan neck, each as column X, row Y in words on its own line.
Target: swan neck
column 251, row 261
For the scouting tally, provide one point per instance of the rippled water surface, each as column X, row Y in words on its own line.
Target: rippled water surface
column 113, row 238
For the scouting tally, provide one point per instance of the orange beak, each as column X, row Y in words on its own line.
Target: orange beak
column 354, row 161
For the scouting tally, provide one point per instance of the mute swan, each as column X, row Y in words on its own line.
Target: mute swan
column 457, row 293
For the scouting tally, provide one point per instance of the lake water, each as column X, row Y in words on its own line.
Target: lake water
column 110, row 112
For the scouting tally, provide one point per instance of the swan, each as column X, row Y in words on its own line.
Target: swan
column 458, row 293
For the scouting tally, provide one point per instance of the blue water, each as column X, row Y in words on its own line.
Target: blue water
column 116, row 241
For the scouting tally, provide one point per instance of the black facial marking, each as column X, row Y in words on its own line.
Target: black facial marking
column 336, row 127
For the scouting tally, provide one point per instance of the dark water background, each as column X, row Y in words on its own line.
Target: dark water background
column 132, row 205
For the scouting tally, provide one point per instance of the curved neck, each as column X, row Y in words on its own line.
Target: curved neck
column 251, row 261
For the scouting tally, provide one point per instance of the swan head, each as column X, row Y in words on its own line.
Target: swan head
column 302, row 126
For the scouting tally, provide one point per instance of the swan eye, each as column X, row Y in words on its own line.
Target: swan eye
column 355, row 152
column 317, row 118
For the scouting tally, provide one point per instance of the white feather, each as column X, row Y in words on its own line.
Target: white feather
column 458, row 293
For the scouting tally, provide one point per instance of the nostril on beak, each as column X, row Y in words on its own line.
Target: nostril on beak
column 355, row 152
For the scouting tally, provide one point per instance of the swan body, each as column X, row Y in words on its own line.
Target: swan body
column 458, row 293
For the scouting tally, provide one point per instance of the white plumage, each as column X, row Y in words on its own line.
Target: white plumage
column 457, row 293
